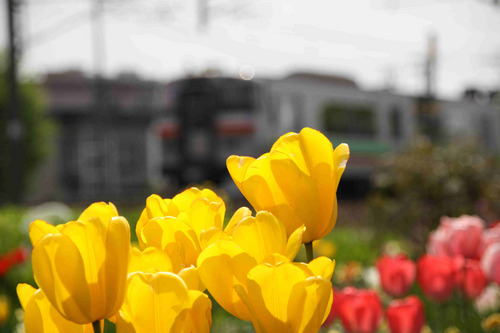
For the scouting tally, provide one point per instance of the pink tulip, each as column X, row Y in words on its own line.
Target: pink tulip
column 397, row 274
column 490, row 236
column 359, row 309
column 490, row 262
column 436, row 276
column 406, row 315
column 457, row 236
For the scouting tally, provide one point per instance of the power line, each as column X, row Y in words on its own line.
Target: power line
column 69, row 23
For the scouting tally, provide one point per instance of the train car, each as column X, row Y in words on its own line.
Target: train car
column 208, row 119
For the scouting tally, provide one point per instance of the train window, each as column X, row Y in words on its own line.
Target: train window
column 349, row 119
column 236, row 96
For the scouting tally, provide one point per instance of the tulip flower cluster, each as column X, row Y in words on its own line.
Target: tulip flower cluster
column 469, row 250
column 361, row 311
column 462, row 256
column 87, row 271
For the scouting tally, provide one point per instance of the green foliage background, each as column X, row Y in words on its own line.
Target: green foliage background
column 418, row 186
column 37, row 132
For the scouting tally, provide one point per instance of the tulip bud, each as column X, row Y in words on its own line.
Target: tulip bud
column 397, row 274
column 81, row 266
column 360, row 310
column 457, row 236
column 296, row 181
column 406, row 315
column 469, row 277
column 436, row 276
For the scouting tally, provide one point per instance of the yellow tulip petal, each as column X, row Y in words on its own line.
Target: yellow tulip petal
column 237, row 217
column 290, row 146
column 294, row 243
column 198, row 314
column 260, row 236
column 257, row 324
column 323, row 267
column 340, row 157
column 138, row 310
column 99, row 209
column 237, row 167
column 310, row 303
column 113, row 274
column 221, row 266
column 184, row 199
column 154, row 302
column 24, row 293
column 259, row 186
column 205, row 214
column 301, row 193
column 281, row 138
column 170, row 293
column 275, row 259
column 59, row 270
column 262, row 191
column 191, row 278
column 40, row 316
column 319, row 154
column 211, row 236
column 173, row 236
column 269, row 289
column 93, row 254
column 331, row 222
column 151, row 260
column 38, row 229
column 155, row 207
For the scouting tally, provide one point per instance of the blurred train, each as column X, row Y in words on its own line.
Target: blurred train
column 208, row 119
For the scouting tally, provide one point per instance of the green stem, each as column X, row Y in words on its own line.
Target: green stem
column 309, row 251
column 96, row 325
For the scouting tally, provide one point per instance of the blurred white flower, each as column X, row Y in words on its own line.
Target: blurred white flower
column 489, row 300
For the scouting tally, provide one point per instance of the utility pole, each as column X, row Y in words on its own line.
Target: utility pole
column 14, row 125
column 430, row 66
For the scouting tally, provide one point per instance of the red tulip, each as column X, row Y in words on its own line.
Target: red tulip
column 436, row 276
column 12, row 258
column 406, row 315
column 397, row 274
column 469, row 277
column 490, row 262
column 457, row 236
column 333, row 311
column 360, row 310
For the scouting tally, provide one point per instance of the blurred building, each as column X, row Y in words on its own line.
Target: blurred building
column 122, row 138
column 103, row 130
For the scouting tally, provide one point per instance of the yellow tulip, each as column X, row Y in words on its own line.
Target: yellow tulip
column 81, row 266
column 153, row 260
column 200, row 209
column 288, row 297
column 40, row 316
column 252, row 241
column 162, row 302
column 4, row 309
column 296, row 181
column 186, row 224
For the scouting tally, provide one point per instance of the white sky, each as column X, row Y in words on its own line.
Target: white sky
column 369, row 41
